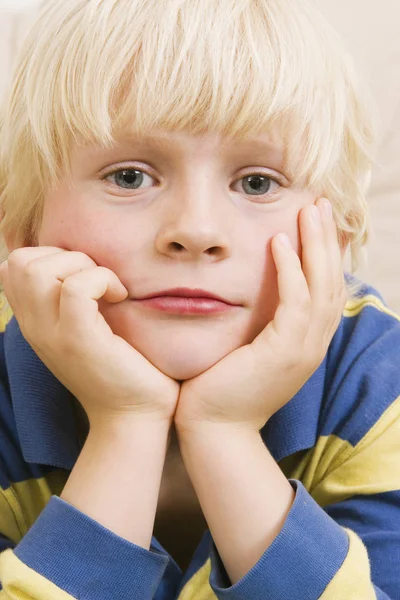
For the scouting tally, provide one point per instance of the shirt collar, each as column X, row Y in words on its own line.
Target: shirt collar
column 43, row 407
column 46, row 423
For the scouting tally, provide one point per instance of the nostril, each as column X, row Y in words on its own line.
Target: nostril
column 177, row 246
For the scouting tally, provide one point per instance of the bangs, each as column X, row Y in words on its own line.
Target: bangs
column 237, row 67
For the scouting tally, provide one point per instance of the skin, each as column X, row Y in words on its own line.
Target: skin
column 190, row 224
column 193, row 214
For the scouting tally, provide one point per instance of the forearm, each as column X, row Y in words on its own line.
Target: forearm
column 116, row 479
column 243, row 493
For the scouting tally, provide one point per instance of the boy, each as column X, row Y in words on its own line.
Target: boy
column 185, row 348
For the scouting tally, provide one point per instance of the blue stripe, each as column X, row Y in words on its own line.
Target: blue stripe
column 301, row 561
column 380, row 595
column 364, row 351
column 376, row 519
column 85, row 559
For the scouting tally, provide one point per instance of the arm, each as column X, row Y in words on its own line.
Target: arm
column 95, row 539
column 116, row 479
column 276, row 542
column 241, row 489
column 297, row 549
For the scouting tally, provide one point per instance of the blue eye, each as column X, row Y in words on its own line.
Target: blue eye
column 258, row 185
column 129, row 179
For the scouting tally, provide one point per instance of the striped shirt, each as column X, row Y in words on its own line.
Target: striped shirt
column 337, row 441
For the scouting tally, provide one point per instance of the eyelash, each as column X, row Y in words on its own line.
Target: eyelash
column 263, row 175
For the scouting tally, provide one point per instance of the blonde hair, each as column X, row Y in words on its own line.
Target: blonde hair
column 91, row 68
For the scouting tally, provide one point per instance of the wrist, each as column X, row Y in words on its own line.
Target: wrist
column 129, row 454
column 121, row 425
column 201, row 431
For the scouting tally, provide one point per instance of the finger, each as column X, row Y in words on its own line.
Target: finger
column 316, row 260
column 322, row 265
column 339, row 290
column 37, row 277
column 16, row 260
column 293, row 313
column 80, row 292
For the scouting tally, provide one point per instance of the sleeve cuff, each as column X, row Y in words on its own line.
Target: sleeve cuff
column 87, row 560
column 300, row 562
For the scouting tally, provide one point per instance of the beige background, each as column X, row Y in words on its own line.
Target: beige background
column 371, row 31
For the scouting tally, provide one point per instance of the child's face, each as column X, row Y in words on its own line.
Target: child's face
column 190, row 220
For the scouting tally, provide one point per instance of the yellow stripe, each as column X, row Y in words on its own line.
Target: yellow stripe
column 198, row 587
column 5, row 312
column 22, row 502
column 353, row 580
column 355, row 306
column 23, row 583
column 10, row 519
column 33, row 494
column 333, row 470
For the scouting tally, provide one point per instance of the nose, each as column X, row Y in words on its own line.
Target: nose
column 193, row 229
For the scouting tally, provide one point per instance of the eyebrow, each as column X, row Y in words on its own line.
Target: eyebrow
column 260, row 152
column 250, row 146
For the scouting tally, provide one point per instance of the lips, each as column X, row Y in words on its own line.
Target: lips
column 186, row 302
column 186, row 293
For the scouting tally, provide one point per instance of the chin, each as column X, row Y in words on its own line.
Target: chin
column 180, row 368
column 180, row 350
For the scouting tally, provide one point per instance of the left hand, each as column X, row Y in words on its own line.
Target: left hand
column 250, row 384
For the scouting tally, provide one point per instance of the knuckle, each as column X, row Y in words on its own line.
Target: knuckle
column 86, row 260
column 103, row 271
column 106, row 274
column 71, row 286
column 17, row 258
column 32, row 270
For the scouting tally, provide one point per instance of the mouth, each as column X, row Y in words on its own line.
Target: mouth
column 185, row 301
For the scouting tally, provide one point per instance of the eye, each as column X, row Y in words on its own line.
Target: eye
column 130, row 179
column 258, row 184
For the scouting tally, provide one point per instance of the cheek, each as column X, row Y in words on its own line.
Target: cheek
column 99, row 235
column 267, row 297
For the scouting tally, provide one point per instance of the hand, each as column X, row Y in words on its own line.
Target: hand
column 53, row 294
column 252, row 383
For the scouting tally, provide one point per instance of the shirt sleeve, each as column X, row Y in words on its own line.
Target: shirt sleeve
column 341, row 538
column 66, row 554
column 315, row 557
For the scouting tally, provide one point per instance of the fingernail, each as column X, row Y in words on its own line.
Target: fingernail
column 327, row 207
column 284, row 240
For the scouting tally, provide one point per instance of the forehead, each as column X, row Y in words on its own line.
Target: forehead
column 268, row 146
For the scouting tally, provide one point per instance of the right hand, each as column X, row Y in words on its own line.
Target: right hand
column 53, row 294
